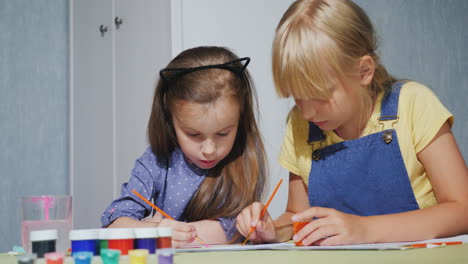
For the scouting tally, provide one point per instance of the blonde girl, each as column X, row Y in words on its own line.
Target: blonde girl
column 371, row 159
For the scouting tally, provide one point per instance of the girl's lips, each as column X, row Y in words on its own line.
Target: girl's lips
column 320, row 123
column 208, row 162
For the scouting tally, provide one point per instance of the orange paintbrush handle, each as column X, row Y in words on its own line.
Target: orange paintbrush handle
column 262, row 213
column 152, row 205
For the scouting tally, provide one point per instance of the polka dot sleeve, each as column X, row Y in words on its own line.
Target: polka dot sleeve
column 128, row 204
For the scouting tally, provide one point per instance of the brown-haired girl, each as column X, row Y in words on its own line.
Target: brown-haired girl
column 370, row 158
column 206, row 161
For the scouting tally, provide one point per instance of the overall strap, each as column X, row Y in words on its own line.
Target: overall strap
column 389, row 108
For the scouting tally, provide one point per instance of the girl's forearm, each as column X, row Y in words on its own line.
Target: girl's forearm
column 124, row 221
column 443, row 220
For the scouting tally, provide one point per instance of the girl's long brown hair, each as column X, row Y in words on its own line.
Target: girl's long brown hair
column 239, row 179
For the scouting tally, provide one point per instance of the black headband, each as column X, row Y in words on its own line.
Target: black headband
column 229, row 66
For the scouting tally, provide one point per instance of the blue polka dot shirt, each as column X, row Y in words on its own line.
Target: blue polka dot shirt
column 170, row 183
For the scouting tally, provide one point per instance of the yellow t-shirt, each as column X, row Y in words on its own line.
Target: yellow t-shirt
column 421, row 115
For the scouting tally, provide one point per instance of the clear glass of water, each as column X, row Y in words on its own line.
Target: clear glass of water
column 47, row 212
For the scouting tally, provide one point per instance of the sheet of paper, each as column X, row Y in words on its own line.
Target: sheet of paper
column 235, row 247
column 290, row 246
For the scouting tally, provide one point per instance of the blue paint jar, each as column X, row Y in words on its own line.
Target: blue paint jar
column 145, row 238
column 84, row 240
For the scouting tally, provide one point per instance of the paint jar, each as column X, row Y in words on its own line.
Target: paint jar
column 104, row 235
column 84, row 240
column 43, row 241
column 83, row 257
column 54, row 258
column 47, row 212
column 110, row 256
column 27, row 259
column 296, row 227
column 145, row 238
column 121, row 239
column 165, row 237
column 138, row 256
column 165, row 256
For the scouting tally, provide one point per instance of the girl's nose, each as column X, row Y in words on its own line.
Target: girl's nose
column 307, row 109
column 208, row 148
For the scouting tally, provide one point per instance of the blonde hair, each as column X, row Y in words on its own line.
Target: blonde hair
column 240, row 178
column 316, row 38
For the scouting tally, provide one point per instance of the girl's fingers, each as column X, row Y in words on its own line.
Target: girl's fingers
column 311, row 213
column 243, row 221
column 310, row 228
column 318, row 234
column 256, row 211
column 331, row 241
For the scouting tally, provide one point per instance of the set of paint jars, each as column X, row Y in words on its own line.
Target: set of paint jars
column 123, row 239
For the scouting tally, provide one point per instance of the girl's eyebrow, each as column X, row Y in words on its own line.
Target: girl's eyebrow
column 195, row 130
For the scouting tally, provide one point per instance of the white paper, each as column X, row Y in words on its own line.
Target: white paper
column 291, row 246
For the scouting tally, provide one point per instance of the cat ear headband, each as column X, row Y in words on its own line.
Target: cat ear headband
column 168, row 74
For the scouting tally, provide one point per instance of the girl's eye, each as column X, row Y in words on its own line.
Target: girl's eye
column 192, row 134
column 222, row 134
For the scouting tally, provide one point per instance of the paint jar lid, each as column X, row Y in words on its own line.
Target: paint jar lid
column 83, row 234
column 146, row 232
column 110, row 254
column 83, row 256
column 27, row 258
column 138, row 255
column 165, row 251
column 119, row 233
column 43, row 235
column 54, row 257
column 165, row 231
column 104, row 233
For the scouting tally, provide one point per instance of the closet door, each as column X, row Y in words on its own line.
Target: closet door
column 113, row 78
column 142, row 47
column 91, row 111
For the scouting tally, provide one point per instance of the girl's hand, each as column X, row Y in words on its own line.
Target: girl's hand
column 330, row 227
column 182, row 233
column 249, row 217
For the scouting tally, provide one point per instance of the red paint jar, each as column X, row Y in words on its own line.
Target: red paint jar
column 164, row 239
column 121, row 239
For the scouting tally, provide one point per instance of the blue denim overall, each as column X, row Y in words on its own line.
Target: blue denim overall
column 364, row 176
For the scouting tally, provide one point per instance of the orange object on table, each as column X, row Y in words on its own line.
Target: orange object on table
column 296, row 227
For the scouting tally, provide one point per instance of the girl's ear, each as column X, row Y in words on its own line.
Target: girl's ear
column 366, row 70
